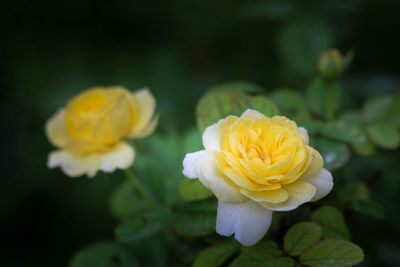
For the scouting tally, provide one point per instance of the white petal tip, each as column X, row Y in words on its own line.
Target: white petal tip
column 323, row 182
column 189, row 164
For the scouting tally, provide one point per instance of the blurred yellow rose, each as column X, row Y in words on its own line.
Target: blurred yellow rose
column 91, row 128
column 255, row 165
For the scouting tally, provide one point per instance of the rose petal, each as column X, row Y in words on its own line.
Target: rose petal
column 55, row 129
column 299, row 193
column 210, row 138
column 323, row 182
column 143, row 125
column 248, row 221
column 271, row 196
column 253, row 113
column 315, row 165
column 189, row 168
column 201, row 164
column 73, row 164
column 304, row 132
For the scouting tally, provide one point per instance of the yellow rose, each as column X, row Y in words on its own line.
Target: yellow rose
column 255, row 165
column 91, row 128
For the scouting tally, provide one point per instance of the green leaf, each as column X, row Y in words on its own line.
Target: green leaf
column 343, row 131
column 334, row 153
column 263, row 249
column 264, row 253
column 290, row 103
column 316, row 97
column 332, row 223
column 193, row 189
column 145, row 249
column 392, row 113
column 264, row 105
column 124, row 201
column 300, row 237
column 301, row 41
column 141, row 226
column 216, row 255
column 218, row 104
column 384, row 135
column 364, row 147
column 368, row 207
column 375, row 108
column 361, row 144
column 333, row 253
column 195, row 218
column 383, row 109
column 103, row 254
column 353, row 191
column 243, row 87
column 192, row 140
column 245, row 260
column 323, row 98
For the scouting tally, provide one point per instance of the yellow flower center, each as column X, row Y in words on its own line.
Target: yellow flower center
column 261, row 154
column 100, row 116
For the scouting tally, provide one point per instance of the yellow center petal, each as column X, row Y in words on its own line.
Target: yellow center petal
column 260, row 155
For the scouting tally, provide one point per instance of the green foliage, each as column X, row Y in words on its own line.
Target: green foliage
column 323, row 98
column 195, row 218
column 353, row 122
column 353, row 191
column 368, row 207
column 264, row 253
column 334, row 153
column 216, row 255
column 125, row 201
column 242, row 87
column 376, row 108
column 246, row 260
column 332, row 223
column 193, row 189
column 335, row 253
column 300, row 42
column 218, row 104
column 142, row 225
column 382, row 121
column 291, row 104
column 103, row 254
column 300, row 237
column 384, row 135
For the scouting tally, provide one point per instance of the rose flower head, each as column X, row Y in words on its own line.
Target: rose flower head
column 255, row 165
column 89, row 131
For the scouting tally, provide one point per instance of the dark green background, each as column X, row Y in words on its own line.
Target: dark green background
column 51, row 50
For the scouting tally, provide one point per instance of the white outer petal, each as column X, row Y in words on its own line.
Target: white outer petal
column 189, row 167
column 74, row 165
column 323, row 182
column 254, row 113
column 210, row 138
column 304, row 132
column 210, row 177
column 248, row 221
column 201, row 165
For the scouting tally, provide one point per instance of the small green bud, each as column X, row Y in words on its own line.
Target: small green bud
column 330, row 64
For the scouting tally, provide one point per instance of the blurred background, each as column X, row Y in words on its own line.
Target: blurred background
column 51, row 50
